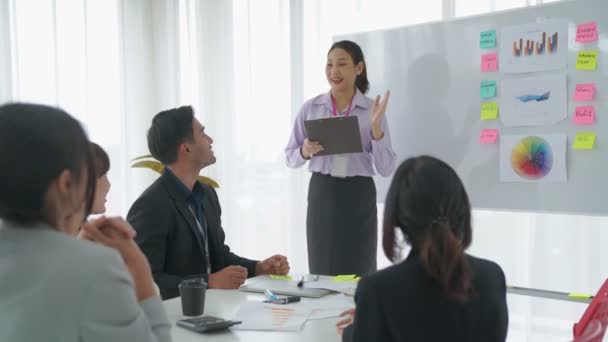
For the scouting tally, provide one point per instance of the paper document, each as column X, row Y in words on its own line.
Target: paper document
column 534, row 101
column 533, row 158
column 534, row 47
column 330, row 284
column 271, row 317
column 329, row 307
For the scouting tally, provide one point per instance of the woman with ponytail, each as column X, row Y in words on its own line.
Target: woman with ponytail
column 341, row 220
column 438, row 293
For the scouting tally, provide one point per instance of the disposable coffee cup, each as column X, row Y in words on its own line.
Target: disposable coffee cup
column 192, row 292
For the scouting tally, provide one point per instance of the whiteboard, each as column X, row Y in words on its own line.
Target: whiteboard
column 433, row 72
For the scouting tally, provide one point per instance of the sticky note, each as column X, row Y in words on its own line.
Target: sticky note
column 584, row 115
column 488, row 136
column 487, row 89
column 584, row 92
column 586, row 32
column 584, row 141
column 580, row 296
column 586, row 60
column 487, row 39
column 280, row 277
column 489, row 110
column 489, row 62
column 349, row 278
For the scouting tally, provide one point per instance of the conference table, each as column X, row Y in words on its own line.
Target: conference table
column 225, row 304
column 531, row 319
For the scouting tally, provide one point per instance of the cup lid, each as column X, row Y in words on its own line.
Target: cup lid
column 193, row 282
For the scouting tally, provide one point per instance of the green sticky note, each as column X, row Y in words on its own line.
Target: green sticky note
column 489, row 110
column 280, row 277
column 487, row 89
column 580, row 296
column 487, row 39
column 586, row 60
column 584, row 141
column 347, row 278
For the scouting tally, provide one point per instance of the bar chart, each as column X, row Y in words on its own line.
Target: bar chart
column 535, row 48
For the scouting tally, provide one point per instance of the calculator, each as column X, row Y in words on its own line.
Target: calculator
column 206, row 324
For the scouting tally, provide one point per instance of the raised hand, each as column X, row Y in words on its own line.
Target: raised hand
column 377, row 113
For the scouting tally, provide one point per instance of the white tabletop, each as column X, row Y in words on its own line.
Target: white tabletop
column 225, row 304
column 530, row 319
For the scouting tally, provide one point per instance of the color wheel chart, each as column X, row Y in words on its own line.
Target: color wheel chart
column 532, row 158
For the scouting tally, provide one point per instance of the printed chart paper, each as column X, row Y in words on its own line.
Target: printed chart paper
column 533, row 101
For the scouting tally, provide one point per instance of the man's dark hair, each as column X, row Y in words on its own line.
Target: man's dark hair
column 169, row 129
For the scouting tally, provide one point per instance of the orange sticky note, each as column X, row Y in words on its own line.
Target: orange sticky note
column 488, row 136
column 586, row 32
column 489, row 62
column 584, row 92
column 584, row 115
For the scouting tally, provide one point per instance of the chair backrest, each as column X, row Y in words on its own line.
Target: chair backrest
column 592, row 325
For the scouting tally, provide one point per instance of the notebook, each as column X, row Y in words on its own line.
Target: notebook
column 282, row 287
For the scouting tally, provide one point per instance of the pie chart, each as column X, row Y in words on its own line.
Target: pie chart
column 532, row 158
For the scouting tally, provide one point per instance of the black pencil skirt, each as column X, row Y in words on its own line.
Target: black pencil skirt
column 341, row 225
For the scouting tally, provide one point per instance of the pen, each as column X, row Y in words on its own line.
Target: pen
column 290, row 299
column 286, row 300
column 270, row 295
column 301, row 282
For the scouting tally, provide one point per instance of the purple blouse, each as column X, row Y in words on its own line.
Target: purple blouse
column 378, row 153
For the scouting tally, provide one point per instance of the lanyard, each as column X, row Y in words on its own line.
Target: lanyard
column 333, row 104
column 205, row 234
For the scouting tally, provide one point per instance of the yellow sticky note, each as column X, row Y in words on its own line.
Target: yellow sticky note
column 584, row 141
column 586, row 60
column 580, row 296
column 489, row 110
column 347, row 278
column 280, row 277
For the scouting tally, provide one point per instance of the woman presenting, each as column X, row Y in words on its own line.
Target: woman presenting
column 341, row 220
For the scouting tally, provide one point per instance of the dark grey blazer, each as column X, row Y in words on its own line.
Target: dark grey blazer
column 168, row 235
column 54, row 287
column 403, row 303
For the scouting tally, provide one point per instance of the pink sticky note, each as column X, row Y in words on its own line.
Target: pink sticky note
column 488, row 136
column 489, row 62
column 586, row 32
column 584, row 115
column 584, row 92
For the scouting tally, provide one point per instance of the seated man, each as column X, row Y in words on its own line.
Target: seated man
column 177, row 218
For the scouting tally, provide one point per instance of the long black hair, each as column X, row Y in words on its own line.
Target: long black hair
column 37, row 143
column 101, row 160
column 428, row 202
column 356, row 54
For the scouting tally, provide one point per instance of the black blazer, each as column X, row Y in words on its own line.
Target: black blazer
column 168, row 235
column 403, row 303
